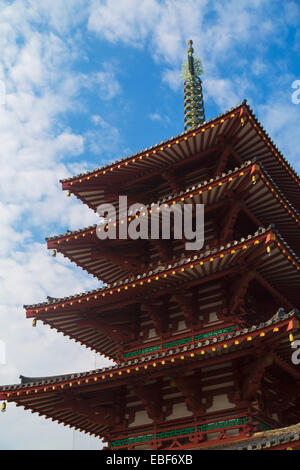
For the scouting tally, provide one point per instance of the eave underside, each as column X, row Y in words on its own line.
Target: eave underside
column 246, row 192
column 263, row 256
column 238, row 129
column 94, row 401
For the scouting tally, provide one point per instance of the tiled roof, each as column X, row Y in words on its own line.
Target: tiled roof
column 163, row 268
column 151, row 148
column 162, row 200
column 265, row 440
column 187, row 191
column 183, row 134
column 279, row 319
column 262, row 198
column 253, row 141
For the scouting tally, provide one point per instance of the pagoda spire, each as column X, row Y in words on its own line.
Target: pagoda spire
column 193, row 95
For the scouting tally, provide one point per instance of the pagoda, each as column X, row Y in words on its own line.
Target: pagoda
column 202, row 340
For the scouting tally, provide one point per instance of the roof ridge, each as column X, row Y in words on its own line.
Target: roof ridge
column 153, row 147
column 169, row 197
column 179, row 262
column 277, row 318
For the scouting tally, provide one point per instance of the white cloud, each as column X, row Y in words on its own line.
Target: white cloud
column 282, row 124
column 28, row 277
column 161, row 119
column 291, row 13
column 39, row 42
column 58, row 17
column 222, row 91
column 108, row 85
column 172, row 78
column 104, row 139
column 215, row 28
column 36, row 150
column 155, row 117
column 128, row 20
column 219, row 31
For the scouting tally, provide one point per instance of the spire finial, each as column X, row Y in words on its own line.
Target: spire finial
column 190, row 48
column 193, row 96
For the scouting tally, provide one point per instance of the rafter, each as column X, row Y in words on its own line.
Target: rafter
column 239, row 289
column 113, row 193
column 172, row 180
column 98, row 414
column 188, row 305
column 159, row 317
column 255, row 375
column 151, row 397
column 281, row 298
column 222, row 161
column 127, row 263
column 114, row 332
column 228, row 221
column 178, row 164
column 190, row 387
column 163, row 247
column 292, row 371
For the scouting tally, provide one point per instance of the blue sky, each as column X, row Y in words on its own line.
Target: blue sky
column 92, row 81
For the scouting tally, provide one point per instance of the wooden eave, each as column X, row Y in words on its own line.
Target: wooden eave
column 276, row 266
column 45, row 394
column 287, row 438
column 263, row 201
column 240, row 123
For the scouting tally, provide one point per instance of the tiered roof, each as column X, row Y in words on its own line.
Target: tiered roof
column 100, row 320
column 287, row 438
column 239, row 127
column 262, row 200
column 46, row 395
column 276, row 267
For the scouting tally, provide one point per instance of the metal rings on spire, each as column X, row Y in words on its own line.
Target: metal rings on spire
column 193, row 95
